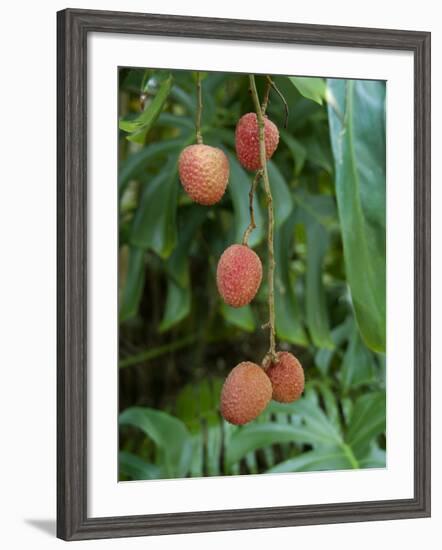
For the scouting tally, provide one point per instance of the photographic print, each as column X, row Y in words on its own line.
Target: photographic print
column 252, row 274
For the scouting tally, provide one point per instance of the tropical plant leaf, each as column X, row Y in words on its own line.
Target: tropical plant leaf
column 242, row 317
column 168, row 433
column 154, row 224
column 178, row 299
column 297, row 149
column 133, row 166
column 177, row 305
column 309, row 87
column 289, row 326
column 133, row 286
column 282, row 198
column 367, row 422
column 357, row 130
column 140, row 126
column 358, row 366
column 239, row 187
column 136, row 468
column 325, row 458
column 339, row 335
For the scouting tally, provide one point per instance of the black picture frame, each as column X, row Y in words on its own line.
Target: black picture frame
column 73, row 27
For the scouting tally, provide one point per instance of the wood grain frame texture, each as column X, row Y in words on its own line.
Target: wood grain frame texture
column 73, row 27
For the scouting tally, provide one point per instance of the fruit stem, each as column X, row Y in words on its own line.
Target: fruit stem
column 199, row 108
column 281, row 97
column 271, row 354
column 266, row 95
column 252, row 224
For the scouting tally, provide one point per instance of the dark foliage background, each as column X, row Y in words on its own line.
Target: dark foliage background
column 178, row 340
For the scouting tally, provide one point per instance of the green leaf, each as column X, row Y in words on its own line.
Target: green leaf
column 133, row 287
column 257, row 436
column 239, row 187
column 376, row 458
column 135, row 163
column 136, row 468
column 310, row 87
column 317, row 247
column 339, row 335
column 242, row 317
column 289, row 326
column 168, row 433
column 358, row 143
column 154, row 224
column 140, row 126
column 358, row 366
column 190, row 219
column 326, row 458
column 177, row 266
column 367, row 422
column 299, row 152
column 330, row 402
column 316, row 430
column 177, row 305
column 282, row 198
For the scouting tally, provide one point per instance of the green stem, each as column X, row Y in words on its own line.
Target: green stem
column 153, row 353
column 350, row 455
column 199, row 108
column 252, row 224
column 271, row 354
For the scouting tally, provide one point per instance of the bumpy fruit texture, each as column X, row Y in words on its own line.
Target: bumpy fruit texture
column 245, row 394
column 204, row 173
column 238, row 275
column 287, row 378
column 247, row 140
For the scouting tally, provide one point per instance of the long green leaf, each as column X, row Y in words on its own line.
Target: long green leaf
column 177, row 266
column 136, row 468
column 316, row 208
column 357, row 129
column 242, row 318
column 140, row 126
column 310, row 87
column 239, row 187
column 167, row 432
column 282, row 198
column 257, row 436
column 133, row 287
column 358, row 366
column 133, row 166
column 326, row 458
column 288, row 314
column 367, row 422
column 154, row 225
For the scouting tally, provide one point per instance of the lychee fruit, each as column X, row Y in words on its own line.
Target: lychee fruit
column 204, row 173
column 238, row 275
column 247, row 140
column 287, row 377
column 246, row 393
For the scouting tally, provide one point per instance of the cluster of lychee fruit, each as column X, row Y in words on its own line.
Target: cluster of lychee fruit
column 249, row 387
column 204, row 174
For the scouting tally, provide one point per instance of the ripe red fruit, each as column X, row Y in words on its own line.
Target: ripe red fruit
column 287, row 378
column 247, row 140
column 238, row 275
column 204, row 173
column 246, row 393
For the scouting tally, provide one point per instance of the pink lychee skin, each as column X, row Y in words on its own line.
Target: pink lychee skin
column 204, row 173
column 287, row 377
column 247, row 140
column 245, row 394
column 238, row 275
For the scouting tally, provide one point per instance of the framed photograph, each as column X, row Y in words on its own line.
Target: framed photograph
column 243, row 274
